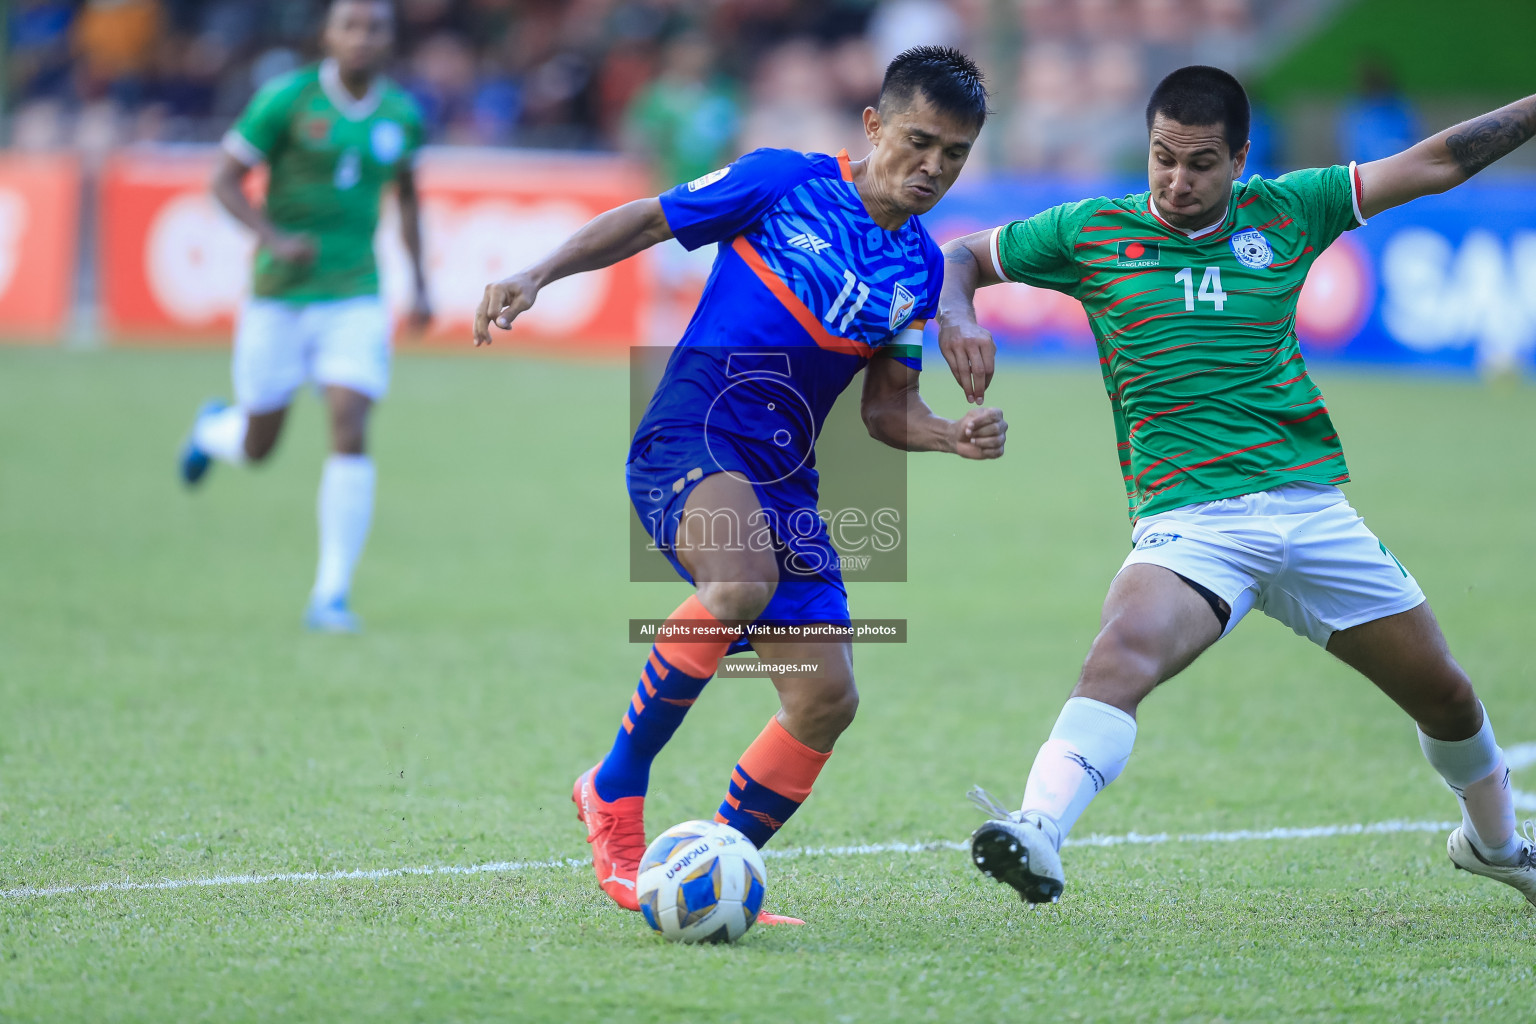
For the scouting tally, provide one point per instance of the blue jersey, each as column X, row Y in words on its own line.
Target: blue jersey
column 805, row 290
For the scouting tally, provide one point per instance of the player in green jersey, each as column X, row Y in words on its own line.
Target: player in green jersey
column 1230, row 461
column 333, row 135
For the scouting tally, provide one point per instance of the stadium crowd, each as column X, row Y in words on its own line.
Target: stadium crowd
column 686, row 82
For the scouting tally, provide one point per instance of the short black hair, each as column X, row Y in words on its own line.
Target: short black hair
column 1200, row 95
column 951, row 81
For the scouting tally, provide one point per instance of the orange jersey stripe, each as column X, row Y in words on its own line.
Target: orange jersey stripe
column 797, row 309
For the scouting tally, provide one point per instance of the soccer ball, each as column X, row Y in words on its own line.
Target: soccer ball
column 701, row 881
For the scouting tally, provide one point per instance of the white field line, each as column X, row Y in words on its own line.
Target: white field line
column 869, row 849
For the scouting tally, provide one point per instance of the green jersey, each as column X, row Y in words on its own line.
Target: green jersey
column 1197, row 333
column 688, row 127
column 330, row 156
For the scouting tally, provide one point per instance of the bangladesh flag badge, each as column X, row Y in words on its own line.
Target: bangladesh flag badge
column 1136, row 254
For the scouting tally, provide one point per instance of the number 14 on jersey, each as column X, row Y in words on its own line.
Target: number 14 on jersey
column 1210, row 288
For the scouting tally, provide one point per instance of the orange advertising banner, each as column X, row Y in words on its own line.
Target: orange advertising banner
column 175, row 267
column 39, row 222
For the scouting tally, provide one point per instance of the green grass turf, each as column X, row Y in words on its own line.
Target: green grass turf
column 162, row 716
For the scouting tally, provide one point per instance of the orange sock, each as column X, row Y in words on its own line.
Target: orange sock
column 771, row 781
column 670, row 681
column 696, row 658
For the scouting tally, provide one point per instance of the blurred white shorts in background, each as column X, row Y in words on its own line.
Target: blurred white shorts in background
column 279, row 346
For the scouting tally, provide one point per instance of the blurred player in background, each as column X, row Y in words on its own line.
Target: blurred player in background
column 1231, row 464
column 823, row 270
column 333, row 135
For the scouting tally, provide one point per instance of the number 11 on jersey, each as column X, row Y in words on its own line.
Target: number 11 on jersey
column 1210, row 288
column 850, row 281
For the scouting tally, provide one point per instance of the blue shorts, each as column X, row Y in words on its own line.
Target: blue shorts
column 665, row 470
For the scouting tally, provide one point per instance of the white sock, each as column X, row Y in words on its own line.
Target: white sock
column 1474, row 768
column 346, row 512
column 1088, row 749
column 222, row 434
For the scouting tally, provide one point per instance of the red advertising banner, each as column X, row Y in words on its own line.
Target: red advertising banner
column 175, row 267
column 39, row 221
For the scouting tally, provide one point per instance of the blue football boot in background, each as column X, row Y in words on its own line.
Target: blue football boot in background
column 194, row 462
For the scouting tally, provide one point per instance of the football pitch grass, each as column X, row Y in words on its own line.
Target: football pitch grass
column 162, row 716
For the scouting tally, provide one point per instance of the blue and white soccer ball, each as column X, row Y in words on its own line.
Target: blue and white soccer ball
column 701, row 881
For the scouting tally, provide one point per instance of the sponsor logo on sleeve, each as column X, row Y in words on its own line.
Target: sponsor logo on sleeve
column 708, row 179
column 1252, row 249
column 1137, row 254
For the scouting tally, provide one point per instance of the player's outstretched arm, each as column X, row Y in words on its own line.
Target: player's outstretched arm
column 227, row 189
column 895, row 414
column 604, row 240
column 410, row 235
column 967, row 346
column 1441, row 162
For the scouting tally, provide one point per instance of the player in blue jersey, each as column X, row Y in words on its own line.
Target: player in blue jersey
column 823, row 270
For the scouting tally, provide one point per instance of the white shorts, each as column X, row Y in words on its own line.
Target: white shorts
column 281, row 345
column 1299, row 553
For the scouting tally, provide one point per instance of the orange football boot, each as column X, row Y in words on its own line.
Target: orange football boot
column 616, row 831
column 766, row 918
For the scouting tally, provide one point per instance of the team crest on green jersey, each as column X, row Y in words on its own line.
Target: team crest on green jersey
column 1252, row 249
column 1137, row 254
column 388, row 141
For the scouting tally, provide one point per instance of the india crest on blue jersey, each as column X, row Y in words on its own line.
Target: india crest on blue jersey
column 902, row 304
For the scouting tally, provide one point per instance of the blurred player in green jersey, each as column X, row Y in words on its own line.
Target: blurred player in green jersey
column 1230, row 461
column 333, row 135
